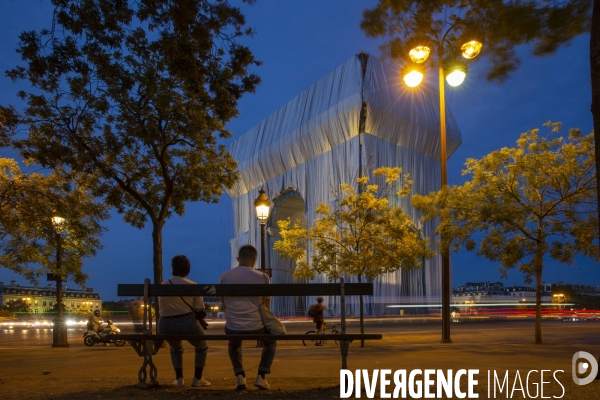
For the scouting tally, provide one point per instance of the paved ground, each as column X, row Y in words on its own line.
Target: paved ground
column 301, row 372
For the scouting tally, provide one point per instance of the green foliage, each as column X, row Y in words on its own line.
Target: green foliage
column 113, row 306
column 362, row 236
column 108, row 307
column 531, row 201
column 130, row 95
column 18, row 305
column 500, row 25
column 136, row 310
column 28, row 238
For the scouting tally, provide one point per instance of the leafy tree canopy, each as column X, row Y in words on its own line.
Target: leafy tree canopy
column 18, row 305
column 28, row 238
column 500, row 25
column 135, row 95
column 361, row 236
column 534, row 200
column 113, row 306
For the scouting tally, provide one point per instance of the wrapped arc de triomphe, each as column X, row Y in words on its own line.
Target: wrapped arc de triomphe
column 359, row 116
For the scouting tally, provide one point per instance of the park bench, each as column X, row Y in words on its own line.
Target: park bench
column 147, row 344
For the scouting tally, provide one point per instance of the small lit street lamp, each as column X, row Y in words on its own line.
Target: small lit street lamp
column 454, row 70
column 262, row 205
column 59, row 331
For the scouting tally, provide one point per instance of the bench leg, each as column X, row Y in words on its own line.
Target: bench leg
column 148, row 349
column 344, row 345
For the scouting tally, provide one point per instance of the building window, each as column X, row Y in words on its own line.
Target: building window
column 44, row 303
column 72, row 304
column 50, row 303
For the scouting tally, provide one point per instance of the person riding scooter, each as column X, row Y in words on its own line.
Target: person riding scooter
column 95, row 322
column 105, row 336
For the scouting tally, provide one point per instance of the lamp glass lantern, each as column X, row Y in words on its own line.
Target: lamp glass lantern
column 471, row 49
column 413, row 74
column 419, row 54
column 262, row 205
column 57, row 221
column 455, row 71
column 418, row 48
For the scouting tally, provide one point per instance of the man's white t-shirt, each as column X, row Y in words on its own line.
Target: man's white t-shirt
column 174, row 305
column 242, row 312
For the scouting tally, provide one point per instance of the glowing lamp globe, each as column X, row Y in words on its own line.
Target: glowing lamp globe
column 471, row 49
column 413, row 78
column 455, row 71
column 57, row 220
column 419, row 54
column 455, row 78
column 262, row 205
column 413, row 73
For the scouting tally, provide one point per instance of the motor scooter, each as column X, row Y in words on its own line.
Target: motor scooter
column 91, row 338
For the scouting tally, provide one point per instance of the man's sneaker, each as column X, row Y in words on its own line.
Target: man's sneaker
column 241, row 382
column 178, row 382
column 200, row 382
column 261, row 383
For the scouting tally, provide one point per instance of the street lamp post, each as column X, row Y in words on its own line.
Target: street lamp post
column 454, row 70
column 59, row 330
column 262, row 205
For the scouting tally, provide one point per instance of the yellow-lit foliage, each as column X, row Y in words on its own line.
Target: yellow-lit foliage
column 29, row 241
column 532, row 201
column 360, row 235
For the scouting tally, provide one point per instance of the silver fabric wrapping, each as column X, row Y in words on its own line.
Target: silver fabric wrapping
column 311, row 145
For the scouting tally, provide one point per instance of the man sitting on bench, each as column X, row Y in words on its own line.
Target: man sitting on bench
column 242, row 317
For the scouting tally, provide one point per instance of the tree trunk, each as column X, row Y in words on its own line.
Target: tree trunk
column 157, row 258
column 538, row 295
column 595, row 83
column 362, row 325
column 157, row 251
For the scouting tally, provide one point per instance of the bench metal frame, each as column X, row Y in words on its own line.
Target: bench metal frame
column 147, row 344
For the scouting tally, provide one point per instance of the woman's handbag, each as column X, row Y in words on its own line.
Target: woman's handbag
column 273, row 325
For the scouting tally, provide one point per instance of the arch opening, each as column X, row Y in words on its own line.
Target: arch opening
column 289, row 204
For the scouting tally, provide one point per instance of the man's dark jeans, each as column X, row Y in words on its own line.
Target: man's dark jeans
column 235, row 351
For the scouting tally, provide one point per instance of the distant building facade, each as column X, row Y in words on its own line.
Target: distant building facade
column 43, row 299
column 487, row 292
column 585, row 290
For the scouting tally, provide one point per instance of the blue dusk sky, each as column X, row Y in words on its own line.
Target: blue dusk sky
column 299, row 41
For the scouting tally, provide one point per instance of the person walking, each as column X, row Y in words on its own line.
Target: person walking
column 316, row 312
column 177, row 316
column 242, row 317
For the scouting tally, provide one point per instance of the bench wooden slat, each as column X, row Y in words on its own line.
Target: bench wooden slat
column 275, row 289
column 291, row 336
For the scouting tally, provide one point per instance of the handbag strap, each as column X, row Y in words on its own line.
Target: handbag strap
column 186, row 303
